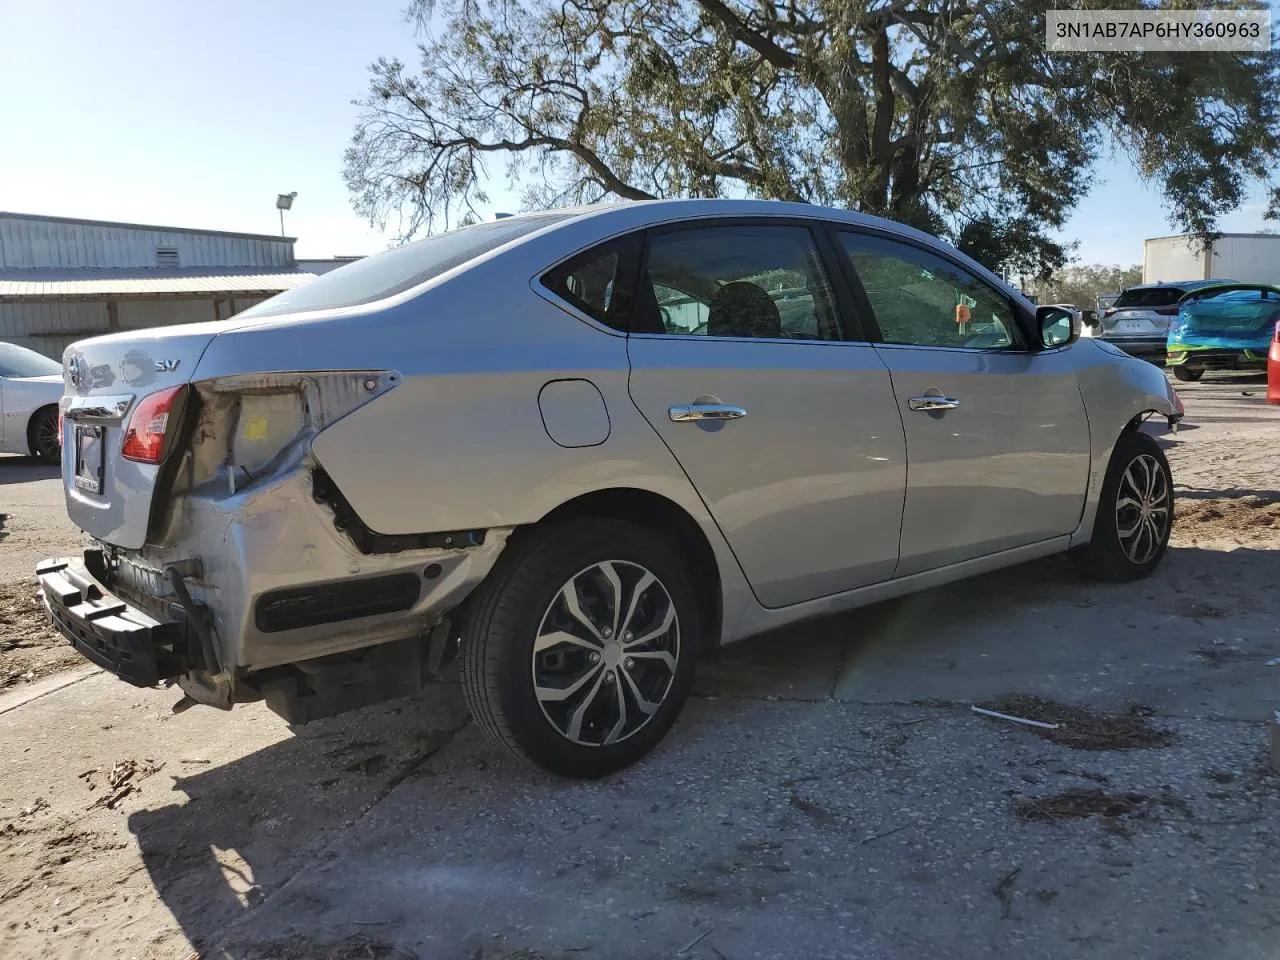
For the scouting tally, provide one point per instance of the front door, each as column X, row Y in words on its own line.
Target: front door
column 789, row 432
column 997, row 436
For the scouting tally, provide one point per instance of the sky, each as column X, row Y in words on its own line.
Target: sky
column 197, row 114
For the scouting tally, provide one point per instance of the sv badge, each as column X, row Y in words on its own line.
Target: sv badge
column 167, row 366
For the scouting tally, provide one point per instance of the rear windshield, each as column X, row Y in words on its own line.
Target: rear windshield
column 394, row 271
column 1150, row 297
column 16, row 361
column 1245, row 305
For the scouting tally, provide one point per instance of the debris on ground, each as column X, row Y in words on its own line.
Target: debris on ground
column 1219, row 652
column 40, row 803
column 1003, row 891
column 1114, row 810
column 122, row 779
column 1008, row 716
column 29, row 648
column 1197, row 609
column 1241, row 519
column 1083, row 729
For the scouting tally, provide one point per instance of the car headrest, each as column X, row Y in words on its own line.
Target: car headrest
column 741, row 309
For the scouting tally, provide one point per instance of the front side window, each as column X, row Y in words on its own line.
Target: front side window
column 750, row 281
column 922, row 300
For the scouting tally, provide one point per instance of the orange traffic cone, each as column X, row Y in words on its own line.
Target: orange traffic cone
column 1273, row 368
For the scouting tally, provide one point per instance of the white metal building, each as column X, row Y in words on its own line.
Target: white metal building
column 64, row 279
column 1246, row 257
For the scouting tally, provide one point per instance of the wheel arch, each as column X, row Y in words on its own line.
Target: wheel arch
column 656, row 512
column 1101, row 460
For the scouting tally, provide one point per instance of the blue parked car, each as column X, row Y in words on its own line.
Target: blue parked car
column 1223, row 327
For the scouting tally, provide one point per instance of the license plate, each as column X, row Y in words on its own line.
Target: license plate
column 89, row 448
column 1133, row 326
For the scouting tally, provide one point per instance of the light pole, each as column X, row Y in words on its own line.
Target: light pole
column 284, row 201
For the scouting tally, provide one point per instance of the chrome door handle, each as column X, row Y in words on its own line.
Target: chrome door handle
column 705, row 411
column 929, row 404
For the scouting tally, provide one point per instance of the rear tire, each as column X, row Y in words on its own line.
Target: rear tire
column 1135, row 513
column 579, row 649
column 1187, row 374
column 42, row 435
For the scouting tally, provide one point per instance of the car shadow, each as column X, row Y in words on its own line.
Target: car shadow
column 239, row 832
column 14, row 469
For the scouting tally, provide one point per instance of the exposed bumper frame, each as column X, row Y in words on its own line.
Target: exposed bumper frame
column 115, row 635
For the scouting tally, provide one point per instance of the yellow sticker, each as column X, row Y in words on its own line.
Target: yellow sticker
column 255, row 428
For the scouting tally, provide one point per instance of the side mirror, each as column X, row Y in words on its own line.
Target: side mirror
column 1058, row 327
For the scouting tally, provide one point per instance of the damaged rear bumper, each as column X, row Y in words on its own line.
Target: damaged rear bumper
column 272, row 592
column 117, row 636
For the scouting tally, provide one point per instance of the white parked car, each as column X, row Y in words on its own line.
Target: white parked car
column 30, row 387
column 573, row 449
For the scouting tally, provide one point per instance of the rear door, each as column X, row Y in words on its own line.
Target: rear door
column 783, row 419
column 997, row 437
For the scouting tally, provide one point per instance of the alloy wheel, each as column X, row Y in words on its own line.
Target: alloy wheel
column 46, row 439
column 606, row 653
column 1143, row 508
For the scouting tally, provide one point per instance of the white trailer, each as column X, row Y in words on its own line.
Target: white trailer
column 1246, row 257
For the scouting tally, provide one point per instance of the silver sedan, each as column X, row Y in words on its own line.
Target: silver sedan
column 571, row 450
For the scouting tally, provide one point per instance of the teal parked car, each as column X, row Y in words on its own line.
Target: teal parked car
column 1223, row 327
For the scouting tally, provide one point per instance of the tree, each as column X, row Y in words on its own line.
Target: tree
column 1081, row 285
column 946, row 114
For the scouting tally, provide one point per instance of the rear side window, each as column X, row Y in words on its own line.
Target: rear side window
column 1150, row 297
column 394, row 271
column 600, row 281
column 741, row 280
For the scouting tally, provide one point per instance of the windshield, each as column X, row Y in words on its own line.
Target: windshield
column 16, row 361
column 394, row 271
column 1150, row 297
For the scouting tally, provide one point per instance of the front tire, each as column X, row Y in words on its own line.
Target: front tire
column 42, row 436
column 578, row 651
column 1135, row 513
column 1187, row 374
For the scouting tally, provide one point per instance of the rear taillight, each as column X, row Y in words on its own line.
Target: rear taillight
column 1276, row 338
column 1109, row 311
column 59, row 426
column 1167, row 311
column 144, row 437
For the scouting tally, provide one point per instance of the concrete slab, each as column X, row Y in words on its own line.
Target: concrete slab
column 1191, row 642
column 783, row 830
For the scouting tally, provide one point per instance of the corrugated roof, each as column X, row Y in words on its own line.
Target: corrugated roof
column 117, row 224
column 101, row 284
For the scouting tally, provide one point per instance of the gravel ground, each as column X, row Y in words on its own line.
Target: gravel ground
column 828, row 792
column 29, row 649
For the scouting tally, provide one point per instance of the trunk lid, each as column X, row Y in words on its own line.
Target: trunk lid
column 1136, row 322
column 105, row 378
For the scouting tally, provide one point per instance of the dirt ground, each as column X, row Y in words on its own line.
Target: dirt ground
column 828, row 793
